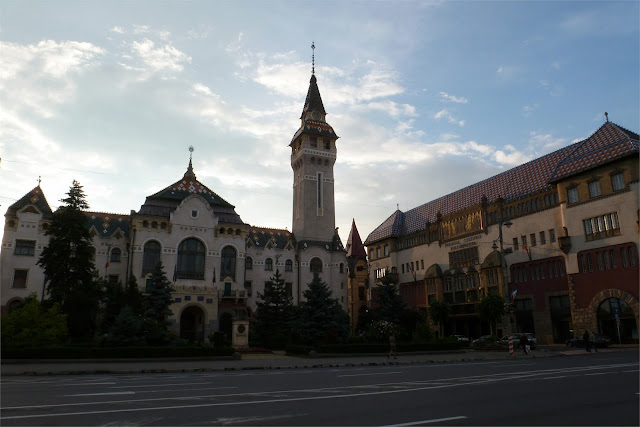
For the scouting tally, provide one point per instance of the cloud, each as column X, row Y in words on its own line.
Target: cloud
column 450, row 98
column 546, row 143
column 511, row 157
column 528, row 110
column 165, row 57
column 445, row 114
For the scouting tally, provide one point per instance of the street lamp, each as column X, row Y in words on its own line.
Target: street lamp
column 503, row 264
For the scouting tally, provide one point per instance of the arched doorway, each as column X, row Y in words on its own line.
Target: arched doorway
column 192, row 324
column 226, row 324
column 607, row 323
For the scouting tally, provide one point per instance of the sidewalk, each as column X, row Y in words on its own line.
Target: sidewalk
column 265, row 361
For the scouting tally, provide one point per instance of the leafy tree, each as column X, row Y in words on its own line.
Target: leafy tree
column 410, row 320
column 113, row 298
column 322, row 319
column 33, row 325
column 491, row 309
column 439, row 312
column 390, row 304
column 157, row 306
column 273, row 321
column 70, row 275
column 133, row 297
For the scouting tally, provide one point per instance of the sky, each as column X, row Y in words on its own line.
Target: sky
column 427, row 97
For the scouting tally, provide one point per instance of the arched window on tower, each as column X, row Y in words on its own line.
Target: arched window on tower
column 116, row 253
column 316, row 265
column 191, row 259
column 228, row 263
column 150, row 257
column 248, row 263
column 288, row 265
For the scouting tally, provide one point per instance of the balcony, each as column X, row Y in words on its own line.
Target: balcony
column 234, row 294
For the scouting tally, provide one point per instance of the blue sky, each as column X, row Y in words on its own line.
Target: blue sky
column 427, row 97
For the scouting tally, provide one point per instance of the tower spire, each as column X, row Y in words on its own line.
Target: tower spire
column 313, row 58
column 189, row 174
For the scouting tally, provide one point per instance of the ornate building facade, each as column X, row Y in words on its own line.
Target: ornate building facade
column 218, row 262
column 557, row 238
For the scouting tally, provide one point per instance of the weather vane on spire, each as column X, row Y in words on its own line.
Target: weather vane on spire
column 313, row 58
column 190, row 152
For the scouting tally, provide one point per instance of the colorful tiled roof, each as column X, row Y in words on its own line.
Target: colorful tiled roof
column 355, row 248
column 261, row 236
column 608, row 143
column 164, row 202
column 34, row 197
column 313, row 100
column 107, row 224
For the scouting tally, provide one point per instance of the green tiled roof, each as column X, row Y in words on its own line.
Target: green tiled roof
column 34, row 197
column 107, row 224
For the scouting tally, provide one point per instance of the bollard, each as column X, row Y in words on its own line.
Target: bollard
column 510, row 346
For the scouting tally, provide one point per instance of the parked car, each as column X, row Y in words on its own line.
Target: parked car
column 460, row 338
column 484, row 340
column 601, row 341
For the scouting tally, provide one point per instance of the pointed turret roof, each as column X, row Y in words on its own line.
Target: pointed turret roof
column 34, row 197
column 165, row 201
column 355, row 248
column 314, row 100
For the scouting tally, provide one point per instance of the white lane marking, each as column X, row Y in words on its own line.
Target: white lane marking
column 468, row 380
column 163, row 385
column 553, row 378
column 597, row 373
column 374, row 373
column 433, row 420
column 81, row 384
column 633, row 370
column 100, row 394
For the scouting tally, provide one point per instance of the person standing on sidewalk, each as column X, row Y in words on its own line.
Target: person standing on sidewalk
column 524, row 342
column 592, row 341
column 585, row 338
column 392, row 347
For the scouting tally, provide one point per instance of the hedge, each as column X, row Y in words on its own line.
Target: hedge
column 355, row 348
column 113, row 352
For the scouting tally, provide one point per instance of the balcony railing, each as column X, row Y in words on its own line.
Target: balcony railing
column 232, row 294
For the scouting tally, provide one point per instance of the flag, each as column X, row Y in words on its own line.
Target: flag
column 513, row 295
column 175, row 273
column 527, row 251
column 107, row 264
column 214, row 276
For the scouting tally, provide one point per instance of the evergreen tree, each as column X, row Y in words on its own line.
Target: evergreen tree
column 126, row 329
column 113, row 299
column 491, row 309
column 158, row 301
column 272, row 324
column 133, row 297
column 67, row 262
column 322, row 319
column 390, row 304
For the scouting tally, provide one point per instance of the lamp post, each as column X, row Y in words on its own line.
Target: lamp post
column 503, row 264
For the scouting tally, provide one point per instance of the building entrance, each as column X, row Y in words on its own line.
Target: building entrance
column 607, row 311
column 192, row 324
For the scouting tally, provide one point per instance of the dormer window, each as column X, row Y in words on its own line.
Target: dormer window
column 594, row 189
column 194, row 213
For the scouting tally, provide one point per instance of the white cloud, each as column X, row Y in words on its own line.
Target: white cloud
column 511, row 157
column 166, row 57
column 545, row 143
column 528, row 110
column 451, row 98
column 445, row 114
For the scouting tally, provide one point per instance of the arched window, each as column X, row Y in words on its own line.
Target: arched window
column 116, row 253
column 288, row 265
column 268, row 264
column 191, row 259
column 316, row 265
column 248, row 263
column 154, row 224
column 228, row 263
column 145, row 223
column 150, row 257
column 341, row 268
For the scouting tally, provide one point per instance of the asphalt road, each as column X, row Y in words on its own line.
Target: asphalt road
column 598, row 389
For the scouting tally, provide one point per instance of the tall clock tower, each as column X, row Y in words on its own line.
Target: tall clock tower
column 313, row 154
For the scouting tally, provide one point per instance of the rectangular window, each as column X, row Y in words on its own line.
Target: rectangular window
column 614, row 263
column 19, row 279
column 594, row 189
column 314, row 141
column 421, row 264
column 515, row 244
column 148, row 286
column 412, row 269
column 371, row 254
column 625, row 262
column 599, row 259
column 320, row 198
column 289, row 287
column 589, row 263
column 248, row 288
column 447, row 285
column 25, row 247
column 402, row 268
column 632, row 257
column 543, row 238
column 607, row 261
column 524, row 241
column 533, row 239
column 617, row 181
column 572, row 195
column 552, row 235
column 386, row 250
column 601, row 226
column 377, row 252
column 113, row 279
column 584, row 263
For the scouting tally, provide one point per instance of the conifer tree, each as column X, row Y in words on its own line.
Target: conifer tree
column 322, row 319
column 158, row 301
column 390, row 304
column 272, row 324
column 67, row 262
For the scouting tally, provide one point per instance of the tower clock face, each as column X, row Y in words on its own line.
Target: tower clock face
column 316, row 115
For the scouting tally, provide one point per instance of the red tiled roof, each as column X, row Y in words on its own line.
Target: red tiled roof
column 355, row 247
column 606, row 144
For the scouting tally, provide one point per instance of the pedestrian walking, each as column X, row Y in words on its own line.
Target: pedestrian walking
column 392, row 347
column 585, row 338
column 524, row 342
column 592, row 341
